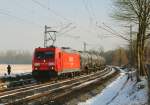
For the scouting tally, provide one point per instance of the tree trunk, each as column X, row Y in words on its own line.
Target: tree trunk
column 140, row 48
column 148, row 68
column 138, row 58
column 142, row 30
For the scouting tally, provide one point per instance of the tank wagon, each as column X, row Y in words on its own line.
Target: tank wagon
column 53, row 61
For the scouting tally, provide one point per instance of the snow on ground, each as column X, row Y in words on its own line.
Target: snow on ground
column 132, row 94
column 15, row 69
column 121, row 92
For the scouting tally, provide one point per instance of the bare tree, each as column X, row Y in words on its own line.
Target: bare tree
column 137, row 12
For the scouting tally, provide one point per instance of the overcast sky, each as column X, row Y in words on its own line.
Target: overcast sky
column 22, row 23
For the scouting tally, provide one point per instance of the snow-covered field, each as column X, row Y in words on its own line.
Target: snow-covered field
column 121, row 92
column 15, row 69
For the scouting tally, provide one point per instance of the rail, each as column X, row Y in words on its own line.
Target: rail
column 27, row 94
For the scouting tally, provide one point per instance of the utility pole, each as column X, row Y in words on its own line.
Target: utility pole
column 51, row 37
column 130, row 46
column 84, row 44
column 120, row 60
column 45, row 36
column 131, row 54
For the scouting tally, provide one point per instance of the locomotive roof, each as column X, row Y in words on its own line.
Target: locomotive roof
column 65, row 49
column 68, row 49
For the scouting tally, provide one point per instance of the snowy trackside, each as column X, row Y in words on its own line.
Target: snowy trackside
column 108, row 93
column 132, row 94
column 121, row 92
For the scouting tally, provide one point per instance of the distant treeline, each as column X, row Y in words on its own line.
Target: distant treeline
column 15, row 57
column 117, row 57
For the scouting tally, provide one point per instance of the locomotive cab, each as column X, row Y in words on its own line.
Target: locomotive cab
column 43, row 63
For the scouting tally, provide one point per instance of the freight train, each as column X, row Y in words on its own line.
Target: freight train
column 53, row 61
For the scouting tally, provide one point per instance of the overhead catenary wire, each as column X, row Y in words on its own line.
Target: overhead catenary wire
column 88, row 11
column 68, row 35
column 51, row 10
column 71, row 28
column 19, row 18
column 113, row 33
column 92, row 16
column 30, row 10
column 106, row 36
column 92, row 11
column 65, row 27
column 89, row 8
column 22, row 6
column 60, row 16
column 56, row 14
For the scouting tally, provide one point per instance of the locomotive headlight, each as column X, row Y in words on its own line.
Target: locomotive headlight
column 52, row 68
column 36, row 64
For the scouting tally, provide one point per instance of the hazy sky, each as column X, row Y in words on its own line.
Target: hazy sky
column 22, row 23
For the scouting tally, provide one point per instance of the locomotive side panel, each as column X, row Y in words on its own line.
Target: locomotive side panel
column 58, row 60
column 70, row 62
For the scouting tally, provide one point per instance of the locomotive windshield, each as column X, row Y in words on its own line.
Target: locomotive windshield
column 44, row 55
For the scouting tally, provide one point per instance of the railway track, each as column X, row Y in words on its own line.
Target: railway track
column 51, row 90
column 16, row 77
column 12, row 82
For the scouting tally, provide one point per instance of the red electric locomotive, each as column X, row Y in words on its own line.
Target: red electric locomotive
column 53, row 61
